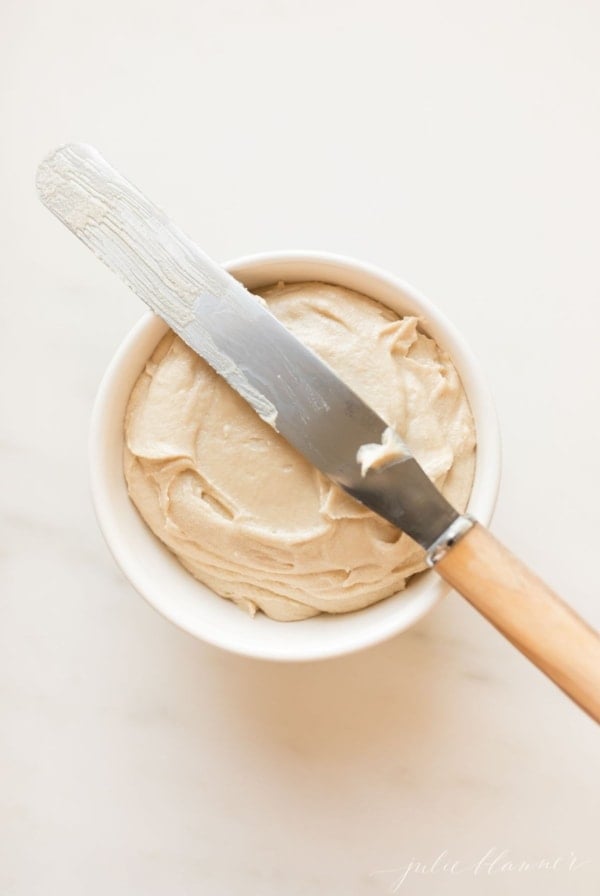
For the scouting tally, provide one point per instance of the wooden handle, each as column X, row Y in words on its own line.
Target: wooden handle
column 528, row 613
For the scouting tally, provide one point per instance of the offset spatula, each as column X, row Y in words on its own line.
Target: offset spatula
column 294, row 391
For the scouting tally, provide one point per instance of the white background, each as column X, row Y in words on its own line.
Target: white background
column 456, row 144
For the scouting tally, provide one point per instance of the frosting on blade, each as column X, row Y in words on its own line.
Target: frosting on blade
column 379, row 454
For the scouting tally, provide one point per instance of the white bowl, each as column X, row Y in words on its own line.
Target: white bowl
column 159, row 577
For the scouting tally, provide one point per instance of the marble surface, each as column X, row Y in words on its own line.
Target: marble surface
column 455, row 144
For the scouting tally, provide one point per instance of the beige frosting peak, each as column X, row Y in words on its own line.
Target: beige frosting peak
column 243, row 511
column 375, row 455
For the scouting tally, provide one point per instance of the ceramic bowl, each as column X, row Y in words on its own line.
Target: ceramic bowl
column 168, row 587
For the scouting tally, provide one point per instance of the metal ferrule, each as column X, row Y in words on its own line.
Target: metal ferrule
column 453, row 534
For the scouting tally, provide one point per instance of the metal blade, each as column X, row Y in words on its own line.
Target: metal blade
column 286, row 383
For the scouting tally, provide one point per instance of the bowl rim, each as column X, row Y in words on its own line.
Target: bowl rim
column 485, row 417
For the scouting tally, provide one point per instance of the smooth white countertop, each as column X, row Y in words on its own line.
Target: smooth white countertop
column 456, row 145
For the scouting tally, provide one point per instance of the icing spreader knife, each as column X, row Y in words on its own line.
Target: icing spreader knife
column 294, row 391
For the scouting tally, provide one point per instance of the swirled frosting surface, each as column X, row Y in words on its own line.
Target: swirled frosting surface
column 243, row 511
